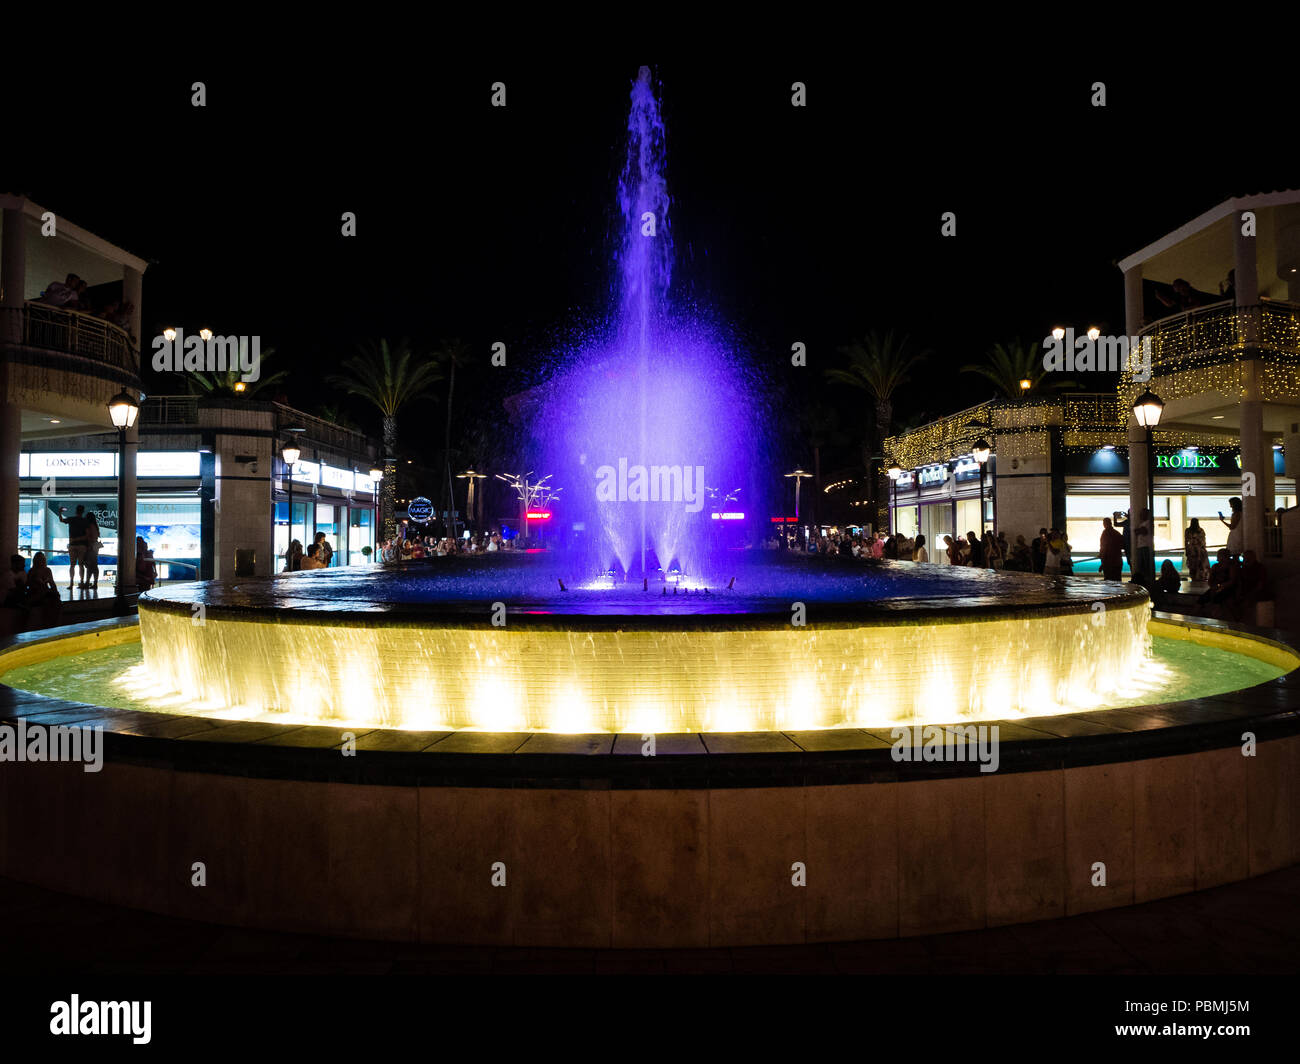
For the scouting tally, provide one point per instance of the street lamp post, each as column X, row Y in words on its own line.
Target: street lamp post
column 290, row 452
column 122, row 409
column 798, row 475
column 473, row 479
column 376, row 479
column 981, row 451
column 1147, row 409
column 895, row 471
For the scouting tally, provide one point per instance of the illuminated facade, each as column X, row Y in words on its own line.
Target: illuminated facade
column 1228, row 371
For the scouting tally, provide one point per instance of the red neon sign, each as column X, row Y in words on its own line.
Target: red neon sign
column 539, row 515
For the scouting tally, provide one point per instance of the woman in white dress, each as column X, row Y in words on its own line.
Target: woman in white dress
column 919, row 553
column 1236, row 535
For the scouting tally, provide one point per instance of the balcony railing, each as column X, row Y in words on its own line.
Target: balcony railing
column 1221, row 333
column 179, row 410
column 72, row 332
column 323, row 433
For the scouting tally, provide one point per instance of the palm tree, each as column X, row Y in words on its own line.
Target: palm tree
column 879, row 365
column 451, row 353
column 230, row 383
column 1009, row 364
column 389, row 377
column 336, row 415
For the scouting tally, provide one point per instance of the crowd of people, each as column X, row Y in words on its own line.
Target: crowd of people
column 1049, row 553
column 1237, row 587
column 71, row 294
column 433, row 547
column 30, row 599
column 35, row 593
column 320, row 553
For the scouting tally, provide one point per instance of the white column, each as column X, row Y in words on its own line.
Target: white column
column 1138, row 475
column 132, row 292
column 11, row 436
column 1133, row 300
column 1256, row 458
column 13, row 278
column 1245, row 274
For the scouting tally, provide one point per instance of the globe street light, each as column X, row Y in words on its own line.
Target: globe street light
column 290, row 452
column 122, row 411
column 980, row 451
column 1147, row 409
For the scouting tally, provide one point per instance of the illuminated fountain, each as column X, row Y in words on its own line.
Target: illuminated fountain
column 641, row 422
column 645, row 627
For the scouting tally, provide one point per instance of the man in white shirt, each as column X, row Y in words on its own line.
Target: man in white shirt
column 61, row 293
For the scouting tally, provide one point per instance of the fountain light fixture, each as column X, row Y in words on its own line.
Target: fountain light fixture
column 1147, row 408
column 1026, row 384
column 240, row 386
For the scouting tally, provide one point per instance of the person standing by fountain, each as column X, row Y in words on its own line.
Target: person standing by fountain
column 1038, row 551
column 919, row 553
column 1235, row 535
column 77, row 543
column 1144, row 561
column 1195, row 553
column 92, row 553
column 323, row 549
column 1111, row 549
column 146, row 573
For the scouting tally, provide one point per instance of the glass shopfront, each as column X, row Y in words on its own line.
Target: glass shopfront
column 942, row 500
column 348, row 529
column 169, row 524
column 1188, row 484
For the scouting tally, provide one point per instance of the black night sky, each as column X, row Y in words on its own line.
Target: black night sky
column 813, row 224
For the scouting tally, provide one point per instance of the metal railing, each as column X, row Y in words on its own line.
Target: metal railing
column 1273, row 541
column 72, row 332
column 324, row 433
column 182, row 410
column 1222, row 331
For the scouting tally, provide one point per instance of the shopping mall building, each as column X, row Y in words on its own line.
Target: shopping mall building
column 1227, row 371
column 202, row 480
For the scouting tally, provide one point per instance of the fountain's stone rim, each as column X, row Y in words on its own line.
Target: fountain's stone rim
column 391, row 757
column 292, row 601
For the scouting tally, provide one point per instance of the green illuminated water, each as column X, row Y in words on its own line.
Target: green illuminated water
column 1183, row 670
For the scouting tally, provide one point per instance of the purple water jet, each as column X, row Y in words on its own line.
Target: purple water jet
column 653, row 426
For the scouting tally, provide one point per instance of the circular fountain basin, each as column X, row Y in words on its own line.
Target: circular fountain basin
column 608, row 841
column 513, row 644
